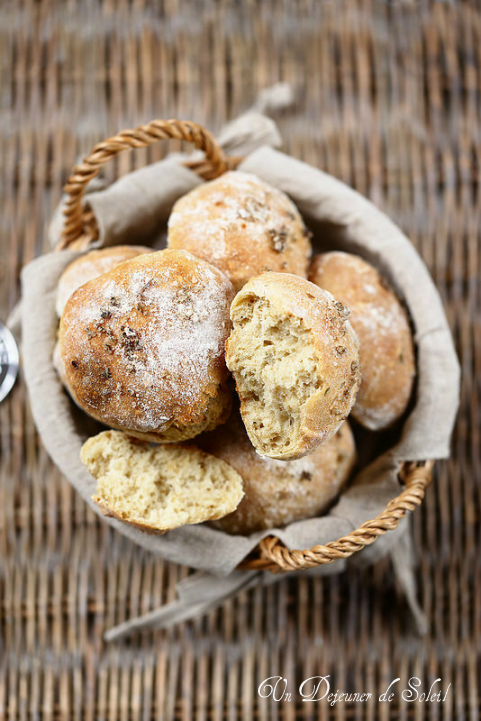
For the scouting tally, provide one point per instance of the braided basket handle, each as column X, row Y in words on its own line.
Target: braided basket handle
column 79, row 227
column 272, row 555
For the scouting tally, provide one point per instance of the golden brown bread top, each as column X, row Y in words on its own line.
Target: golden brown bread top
column 241, row 225
column 143, row 346
column 382, row 325
column 90, row 265
column 279, row 492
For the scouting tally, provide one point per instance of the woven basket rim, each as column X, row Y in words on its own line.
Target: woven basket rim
column 80, row 229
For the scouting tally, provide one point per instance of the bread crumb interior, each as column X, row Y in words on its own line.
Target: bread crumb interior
column 160, row 486
column 276, row 369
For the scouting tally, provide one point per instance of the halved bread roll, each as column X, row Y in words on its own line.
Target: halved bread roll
column 158, row 488
column 295, row 360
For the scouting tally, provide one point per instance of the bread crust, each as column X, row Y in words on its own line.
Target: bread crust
column 280, row 492
column 143, row 346
column 334, row 341
column 243, row 226
column 146, row 527
column 386, row 354
column 89, row 266
column 110, row 513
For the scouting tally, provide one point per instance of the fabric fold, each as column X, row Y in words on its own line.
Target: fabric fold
column 197, row 595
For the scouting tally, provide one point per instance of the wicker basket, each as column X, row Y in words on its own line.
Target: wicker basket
column 80, row 230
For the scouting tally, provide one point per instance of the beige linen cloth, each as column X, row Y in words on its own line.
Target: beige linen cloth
column 135, row 210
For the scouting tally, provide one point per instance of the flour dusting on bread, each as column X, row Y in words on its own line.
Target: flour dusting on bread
column 382, row 325
column 243, row 226
column 143, row 345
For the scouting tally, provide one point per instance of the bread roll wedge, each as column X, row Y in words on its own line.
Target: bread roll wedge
column 158, row 488
column 295, row 360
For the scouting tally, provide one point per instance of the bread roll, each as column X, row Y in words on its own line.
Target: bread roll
column 143, row 346
column 162, row 487
column 243, row 226
column 91, row 265
column 295, row 361
column 382, row 325
column 277, row 493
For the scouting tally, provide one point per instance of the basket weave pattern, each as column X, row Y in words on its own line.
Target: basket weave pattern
column 80, row 229
column 389, row 98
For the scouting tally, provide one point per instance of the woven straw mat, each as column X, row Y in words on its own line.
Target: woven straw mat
column 389, row 102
